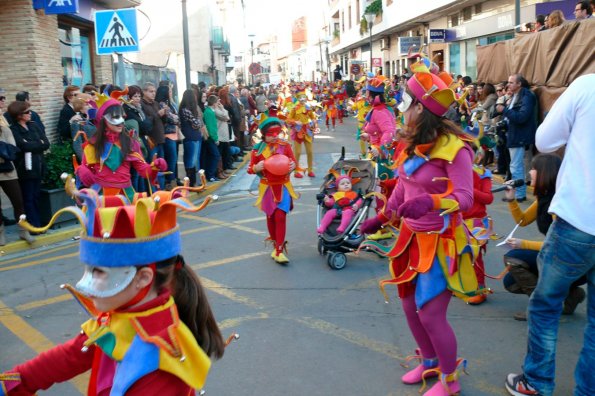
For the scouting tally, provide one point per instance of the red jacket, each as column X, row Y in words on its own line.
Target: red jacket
column 66, row 361
column 482, row 196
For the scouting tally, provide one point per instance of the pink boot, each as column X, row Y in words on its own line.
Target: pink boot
column 417, row 375
column 447, row 386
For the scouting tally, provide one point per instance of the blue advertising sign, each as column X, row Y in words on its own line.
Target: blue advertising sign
column 408, row 42
column 53, row 7
column 437, row 35
column 116, row 31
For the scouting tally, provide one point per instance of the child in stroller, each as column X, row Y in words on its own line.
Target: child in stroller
column 339, row 237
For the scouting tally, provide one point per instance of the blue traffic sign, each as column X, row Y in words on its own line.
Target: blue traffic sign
column 53, row 7
column 116, row 31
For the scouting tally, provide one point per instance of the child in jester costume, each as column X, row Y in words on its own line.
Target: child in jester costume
column 272, row 161
column 433, row 255
column 110, row 154
column 151, row 330
column 302, row 120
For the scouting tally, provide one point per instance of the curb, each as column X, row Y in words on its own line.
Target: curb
column 74, row 231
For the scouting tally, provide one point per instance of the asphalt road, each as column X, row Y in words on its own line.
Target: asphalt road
column 305, row 329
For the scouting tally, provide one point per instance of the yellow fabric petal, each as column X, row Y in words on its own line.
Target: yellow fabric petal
column 107, row 217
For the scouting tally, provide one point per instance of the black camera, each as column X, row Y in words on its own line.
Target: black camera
column 502, row 127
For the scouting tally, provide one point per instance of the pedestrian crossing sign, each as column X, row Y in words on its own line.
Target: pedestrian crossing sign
column 116, row 31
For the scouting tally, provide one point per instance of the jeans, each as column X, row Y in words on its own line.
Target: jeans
column 517, row 169
column 159, row 150
column 170, row 150
column 192, row 153
column 567, row 254
column 210, row 158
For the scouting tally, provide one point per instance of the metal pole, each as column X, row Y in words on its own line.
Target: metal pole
column 517, row 15
column 252, row 58
column 371, row 24
column 121, row 71
column 186, row 43
column 321, row 64
column 328, row 64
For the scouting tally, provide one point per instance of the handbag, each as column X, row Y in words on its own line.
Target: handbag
column 8, row 152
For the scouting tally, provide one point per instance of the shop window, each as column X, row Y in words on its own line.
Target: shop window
column 75, row 52
column 471, row 58
column 455, row 58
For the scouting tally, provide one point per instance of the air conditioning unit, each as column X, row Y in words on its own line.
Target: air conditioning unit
column 385, row 43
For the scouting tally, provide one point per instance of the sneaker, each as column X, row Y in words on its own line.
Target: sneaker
column 299, row 175
column 311, row 174
column 517, row 385
column 280, row 258
column 575, row 297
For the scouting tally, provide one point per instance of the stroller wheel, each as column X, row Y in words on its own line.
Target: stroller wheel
column 321, row 248
column 336, row 260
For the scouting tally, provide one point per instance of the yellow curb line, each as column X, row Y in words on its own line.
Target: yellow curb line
column 59, row 236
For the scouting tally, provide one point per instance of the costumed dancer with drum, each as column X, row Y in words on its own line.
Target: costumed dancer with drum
column 272, row 161
column 433, row 255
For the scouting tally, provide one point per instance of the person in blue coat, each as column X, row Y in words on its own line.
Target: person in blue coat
column 520, row 113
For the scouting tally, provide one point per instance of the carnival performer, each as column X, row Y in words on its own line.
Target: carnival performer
column 379, row 133
column 152, row 330
column 303, row 124
column 109, row 155
column 344, row 203
column 362, row 107
column 480, row 224
column 272, row 161
column 329, row 106
column 434, row 253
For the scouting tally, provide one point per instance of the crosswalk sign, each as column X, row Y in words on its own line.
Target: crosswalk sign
column 116, row 31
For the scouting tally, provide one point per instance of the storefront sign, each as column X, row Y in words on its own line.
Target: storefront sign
column 53, row 7
column 408, row 42
column 116, row 31
column 355, row 68
column 376, row 62
column 437, row 35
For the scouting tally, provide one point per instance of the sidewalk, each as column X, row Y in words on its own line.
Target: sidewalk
column 69, row 231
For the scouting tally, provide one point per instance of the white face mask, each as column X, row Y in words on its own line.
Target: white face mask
column 405, row 103
column 105, row 281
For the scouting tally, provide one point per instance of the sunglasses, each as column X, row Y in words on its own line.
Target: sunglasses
column 26, row 112
column 499, row 90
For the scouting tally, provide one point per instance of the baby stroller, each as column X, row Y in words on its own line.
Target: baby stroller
column 331, row 243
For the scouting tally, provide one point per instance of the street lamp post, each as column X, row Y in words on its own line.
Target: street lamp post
column 186, row 43
column 251, row 54
column 370, row 20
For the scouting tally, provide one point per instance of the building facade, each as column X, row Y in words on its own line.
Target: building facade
column 450, row 31
column 43, row 53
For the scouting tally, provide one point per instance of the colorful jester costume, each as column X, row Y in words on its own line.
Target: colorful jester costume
column 433, row 254
column 135, row 349
column 302, row 120
column 109, row 170
column 275, row 192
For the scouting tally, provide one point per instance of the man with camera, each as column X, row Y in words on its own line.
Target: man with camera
column 519, row 114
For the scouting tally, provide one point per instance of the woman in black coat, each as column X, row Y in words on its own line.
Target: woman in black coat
column 30, row 164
